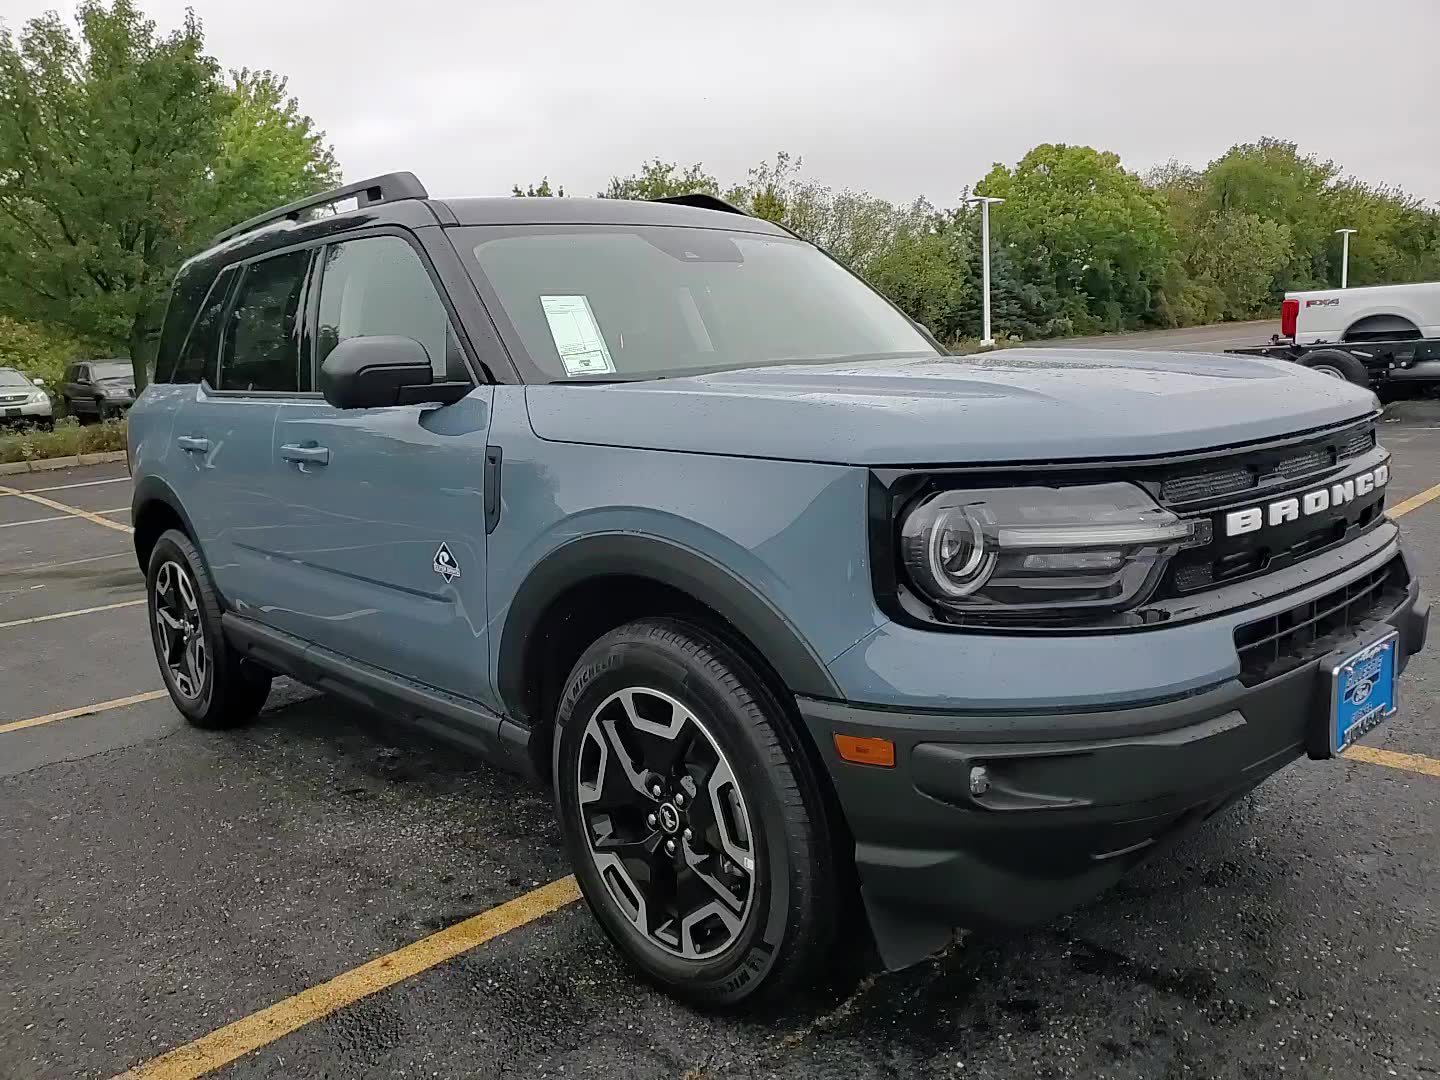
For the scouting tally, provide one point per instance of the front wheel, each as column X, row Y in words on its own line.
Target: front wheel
column 692, row 816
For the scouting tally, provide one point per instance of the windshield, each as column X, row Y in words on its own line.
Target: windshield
column 11, row 377
column 119, row 369
column 622, row 302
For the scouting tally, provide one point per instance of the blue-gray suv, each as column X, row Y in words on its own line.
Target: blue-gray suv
column 657, row 502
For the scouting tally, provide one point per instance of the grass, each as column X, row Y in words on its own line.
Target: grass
column 66, row 439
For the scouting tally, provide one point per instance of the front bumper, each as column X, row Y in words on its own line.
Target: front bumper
column 1070, row 799
column 28, row 413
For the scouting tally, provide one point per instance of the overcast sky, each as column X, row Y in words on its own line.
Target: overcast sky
column 900, row 97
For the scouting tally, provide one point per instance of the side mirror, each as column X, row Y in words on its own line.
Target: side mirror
column 38, row 382
column 373, row 372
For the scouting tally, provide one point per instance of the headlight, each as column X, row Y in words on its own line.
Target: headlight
column 1066, row 551
column 38, row 397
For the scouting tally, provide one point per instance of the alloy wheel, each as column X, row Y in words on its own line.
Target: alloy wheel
column 179, row 634
column 666, row 823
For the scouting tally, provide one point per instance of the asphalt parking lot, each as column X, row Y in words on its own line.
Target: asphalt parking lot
column 161, row 883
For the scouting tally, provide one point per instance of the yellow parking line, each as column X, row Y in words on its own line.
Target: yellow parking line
column 84, row 710
column 232, row 1041
column 68, row 614
column 1391, row 759
column 1415, row 502
column 67, row 509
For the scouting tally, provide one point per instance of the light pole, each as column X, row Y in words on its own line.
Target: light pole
column 1345, row 257
column 985, row 201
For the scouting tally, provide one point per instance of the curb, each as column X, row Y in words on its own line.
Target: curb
column 47, row 464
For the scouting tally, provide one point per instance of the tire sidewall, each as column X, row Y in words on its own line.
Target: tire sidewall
column 621, row 665
column 1350, row 369
column 171, row 547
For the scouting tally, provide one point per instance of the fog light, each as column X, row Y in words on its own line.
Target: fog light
column 979, row 780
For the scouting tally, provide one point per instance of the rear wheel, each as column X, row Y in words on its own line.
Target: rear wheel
column 1338, row 365
column 208, row 681
column 692, row 817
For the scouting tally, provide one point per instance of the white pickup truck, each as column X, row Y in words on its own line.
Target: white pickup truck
column 1376, row 335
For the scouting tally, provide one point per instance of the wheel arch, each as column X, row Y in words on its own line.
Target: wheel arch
column 627, row 575
column 154, row 508
column 1381, row 326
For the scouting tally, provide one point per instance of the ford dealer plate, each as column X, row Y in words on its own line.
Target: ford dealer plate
column 1362, row 691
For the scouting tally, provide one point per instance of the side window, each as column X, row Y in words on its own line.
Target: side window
column 378, row 285
column 197, row 357
column 82, row 373
column 261, row 349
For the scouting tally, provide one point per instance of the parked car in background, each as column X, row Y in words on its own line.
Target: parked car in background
column 99, row 388
column 1383, row 336
column 23, row 400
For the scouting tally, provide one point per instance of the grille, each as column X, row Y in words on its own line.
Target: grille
column 1272, row 646
column 1230, row 478
column 1362, row 442
column 15, row 400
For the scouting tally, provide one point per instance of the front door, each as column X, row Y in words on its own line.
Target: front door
column 381, row 542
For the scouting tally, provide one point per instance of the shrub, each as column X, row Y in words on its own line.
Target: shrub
column 66, row 439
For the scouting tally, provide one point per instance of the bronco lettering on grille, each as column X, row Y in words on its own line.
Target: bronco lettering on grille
column 1318, row 501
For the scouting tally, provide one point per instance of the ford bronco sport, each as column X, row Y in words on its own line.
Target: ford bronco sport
column 656, row 501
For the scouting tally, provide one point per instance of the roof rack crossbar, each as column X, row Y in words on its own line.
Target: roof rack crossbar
column 378, row 189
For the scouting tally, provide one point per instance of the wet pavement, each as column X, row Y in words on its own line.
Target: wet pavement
column 160, row 882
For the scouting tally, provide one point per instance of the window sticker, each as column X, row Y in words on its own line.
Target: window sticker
column 577, row 335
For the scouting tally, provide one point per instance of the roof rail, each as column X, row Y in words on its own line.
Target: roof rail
column 378, row 189
column 702, row 202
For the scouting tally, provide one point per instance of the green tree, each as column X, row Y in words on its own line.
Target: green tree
column 1101, row 234
column 660, row 180
column 121, row 151
column 1272, row 180
column 542, row 190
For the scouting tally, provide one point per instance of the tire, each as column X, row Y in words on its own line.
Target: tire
column 208, row 681
column 102, row 411
column 743, row 782
column 1338, row 365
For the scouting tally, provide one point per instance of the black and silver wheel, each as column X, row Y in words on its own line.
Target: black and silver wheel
column 180, row 640
column 692, row 816
column 1338, row 365
column 208, row 681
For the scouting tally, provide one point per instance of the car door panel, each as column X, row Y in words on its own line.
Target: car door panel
column 368, row 497
column 359, row 535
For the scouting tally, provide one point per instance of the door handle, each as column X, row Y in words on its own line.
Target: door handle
column 193, row 445
column 306, row 455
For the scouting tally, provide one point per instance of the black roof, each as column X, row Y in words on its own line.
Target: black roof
column 572, row 211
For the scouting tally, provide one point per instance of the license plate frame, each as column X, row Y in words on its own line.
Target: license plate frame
column 1363, row 688
column 12, row 414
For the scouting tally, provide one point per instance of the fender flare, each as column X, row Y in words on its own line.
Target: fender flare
column 150, row 490
column 667, row 563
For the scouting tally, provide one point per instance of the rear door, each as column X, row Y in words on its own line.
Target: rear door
column 381, row 528
column 224, row 430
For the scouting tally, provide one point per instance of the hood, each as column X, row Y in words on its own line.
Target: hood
column 1013, row 405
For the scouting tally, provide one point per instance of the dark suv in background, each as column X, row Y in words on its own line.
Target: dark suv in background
column 99, row 388
column 657, row 502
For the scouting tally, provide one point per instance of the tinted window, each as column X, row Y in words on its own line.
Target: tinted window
column 262, row 339
column 379, row 286
column 640, row 301
column 196, row 360
column 82, row 373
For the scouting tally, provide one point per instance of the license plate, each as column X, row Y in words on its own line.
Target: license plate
column 1362, row 691
column 11, row 414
